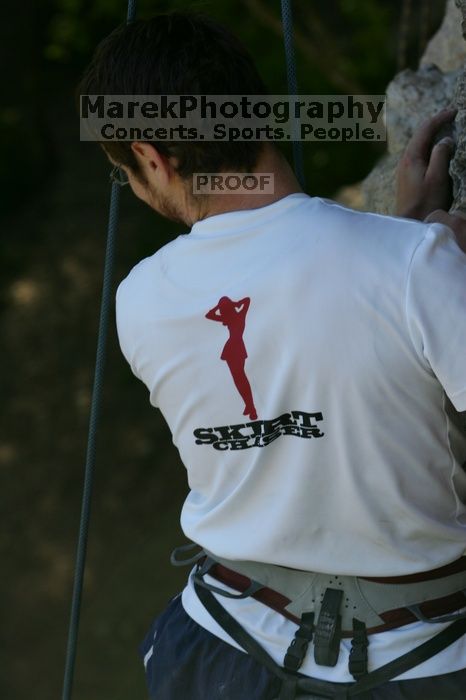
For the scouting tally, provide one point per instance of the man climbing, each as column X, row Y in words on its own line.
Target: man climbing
column 332, row 517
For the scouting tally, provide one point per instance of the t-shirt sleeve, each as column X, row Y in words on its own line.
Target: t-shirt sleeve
column 436, row 309
column 127, row 324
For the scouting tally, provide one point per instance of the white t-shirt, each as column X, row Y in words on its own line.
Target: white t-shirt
column 310, row 363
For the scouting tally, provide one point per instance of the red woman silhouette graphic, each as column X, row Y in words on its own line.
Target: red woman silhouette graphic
column 232, row 314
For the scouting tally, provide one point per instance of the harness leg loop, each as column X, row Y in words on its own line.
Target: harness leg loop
column 288, row 689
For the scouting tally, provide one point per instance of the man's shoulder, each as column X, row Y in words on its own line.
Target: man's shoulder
column 383, row 234
column 143, row 276
column 343, row 213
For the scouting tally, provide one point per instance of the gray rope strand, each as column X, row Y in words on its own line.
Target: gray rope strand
column 131, row 13
column 287, row 23
column 105, row 309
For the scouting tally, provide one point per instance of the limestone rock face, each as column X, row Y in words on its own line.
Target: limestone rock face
column 458, row 163
column 447, row 49
column 412, row 97
column 378, row 189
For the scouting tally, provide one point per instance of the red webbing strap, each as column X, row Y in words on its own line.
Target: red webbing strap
column 392, row 618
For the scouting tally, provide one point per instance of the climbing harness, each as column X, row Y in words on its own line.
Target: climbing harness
column 381, row 603
column 328, row 608
column 291, row 684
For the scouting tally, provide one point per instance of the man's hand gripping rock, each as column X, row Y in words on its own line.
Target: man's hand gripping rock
column 423, row 183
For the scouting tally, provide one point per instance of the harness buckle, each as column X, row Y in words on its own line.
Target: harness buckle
column 328, row 629
column 297, row 650
column 358, row 665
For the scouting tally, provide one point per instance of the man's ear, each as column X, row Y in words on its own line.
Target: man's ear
column 150, row 160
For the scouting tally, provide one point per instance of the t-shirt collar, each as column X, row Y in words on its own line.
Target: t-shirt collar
column 238, row 219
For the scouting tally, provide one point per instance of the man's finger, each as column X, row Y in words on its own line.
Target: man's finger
column 440, row 160
column 456, row 221
column 439, row 216
column 420, row 143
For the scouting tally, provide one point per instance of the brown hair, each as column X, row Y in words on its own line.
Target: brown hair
column 176, row 53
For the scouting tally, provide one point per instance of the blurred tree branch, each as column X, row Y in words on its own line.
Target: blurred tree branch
column 319, row 47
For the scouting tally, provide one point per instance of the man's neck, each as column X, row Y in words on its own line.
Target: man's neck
column 271, row 162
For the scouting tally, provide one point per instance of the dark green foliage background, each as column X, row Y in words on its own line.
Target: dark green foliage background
column 53, row 208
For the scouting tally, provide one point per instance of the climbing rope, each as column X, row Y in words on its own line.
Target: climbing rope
column 410, row 24
column 105, row 310
column 287, row 23
column 403, row 34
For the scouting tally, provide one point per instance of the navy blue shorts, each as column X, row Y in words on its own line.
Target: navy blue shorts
column 189, row 663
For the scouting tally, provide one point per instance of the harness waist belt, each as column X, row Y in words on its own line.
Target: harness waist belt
column 382, row 603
